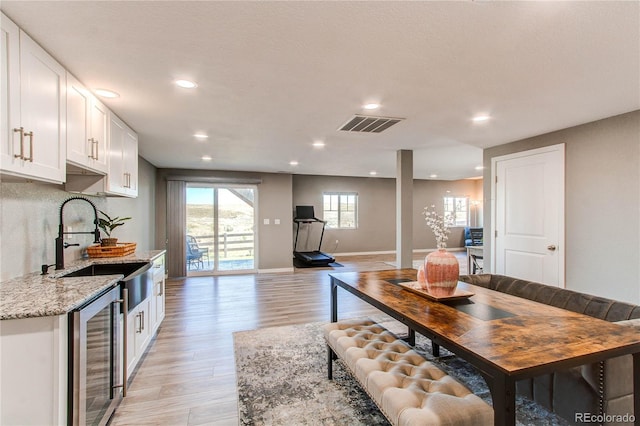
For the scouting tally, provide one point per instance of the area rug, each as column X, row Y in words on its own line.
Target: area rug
column 282, row 380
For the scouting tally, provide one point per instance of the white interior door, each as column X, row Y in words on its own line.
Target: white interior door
column 529, row 215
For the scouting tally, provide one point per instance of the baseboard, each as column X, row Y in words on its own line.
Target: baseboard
column 274, row 270
column 363, row 253
column 372, row 253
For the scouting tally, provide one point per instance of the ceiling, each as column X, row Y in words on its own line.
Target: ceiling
column 273, row 77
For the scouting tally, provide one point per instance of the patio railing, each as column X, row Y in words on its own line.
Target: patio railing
column 230, row 243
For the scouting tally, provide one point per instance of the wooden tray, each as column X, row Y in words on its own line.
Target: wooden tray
column 120, row 249
column 414, row 287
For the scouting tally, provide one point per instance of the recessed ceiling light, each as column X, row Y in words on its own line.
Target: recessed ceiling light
column 293, row 163
column 432, row 176
column 186, row 84
column 318, row 144
column 106, row 93
column 206, row 158
column 373, row 173
column 481, row 118
column 372, row 105
column 200, row 136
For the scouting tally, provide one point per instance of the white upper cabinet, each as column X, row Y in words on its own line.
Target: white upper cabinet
column 123, row 159
column 33, row 142
column 87, row 127
column 99, row 135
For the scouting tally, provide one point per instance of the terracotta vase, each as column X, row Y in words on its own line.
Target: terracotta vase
column 442, row 271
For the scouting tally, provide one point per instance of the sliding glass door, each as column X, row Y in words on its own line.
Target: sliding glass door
column 220, row 228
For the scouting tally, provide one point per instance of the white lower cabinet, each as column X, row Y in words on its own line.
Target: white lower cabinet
column 144, row 320
column 33, row 360
column 158, row 292
column 138, row 333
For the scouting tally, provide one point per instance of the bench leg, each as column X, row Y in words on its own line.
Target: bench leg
column 435, row 349
column 330, row 357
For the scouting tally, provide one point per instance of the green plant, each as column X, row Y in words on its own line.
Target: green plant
column 108, row 224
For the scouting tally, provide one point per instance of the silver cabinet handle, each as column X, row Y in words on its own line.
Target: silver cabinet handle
column 94, row 149
column 142, row 321
column 30, row 134
column 21, row 131
column 551, row 248
column 92, row 145
column 96, row 142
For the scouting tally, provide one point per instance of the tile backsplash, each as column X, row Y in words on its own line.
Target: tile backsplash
column 29, row 218
column 30, row 213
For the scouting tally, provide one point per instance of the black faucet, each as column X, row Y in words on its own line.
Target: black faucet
column 61, row 244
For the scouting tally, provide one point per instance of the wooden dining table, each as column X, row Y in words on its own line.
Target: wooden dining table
column 506, row 338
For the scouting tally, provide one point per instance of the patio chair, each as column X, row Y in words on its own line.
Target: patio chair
column 195, row 254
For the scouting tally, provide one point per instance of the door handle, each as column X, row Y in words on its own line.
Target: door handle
column 551, row 247
column 125, row 308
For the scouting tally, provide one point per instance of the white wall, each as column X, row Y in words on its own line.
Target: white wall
column 602, row 204
column 377, row 210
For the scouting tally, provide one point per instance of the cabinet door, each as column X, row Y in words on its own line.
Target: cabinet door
column 130, row 160
column 86, row 129
column 116, row 177
column 123, row 159
column 144, row 336
column 42, row 113
column 79, row 149
column 138, row 333
column 99, row 135
column 10, row 94
column 159, row 295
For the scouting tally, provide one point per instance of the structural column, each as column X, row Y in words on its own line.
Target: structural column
column 404, row 209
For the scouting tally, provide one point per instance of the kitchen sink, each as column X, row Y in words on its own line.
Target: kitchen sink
column 138, row 278
column 107, row 269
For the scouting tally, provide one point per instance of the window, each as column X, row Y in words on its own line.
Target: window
column 457, row 208
column 340, row 209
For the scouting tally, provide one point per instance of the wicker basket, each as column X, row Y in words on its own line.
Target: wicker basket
column 120, row 249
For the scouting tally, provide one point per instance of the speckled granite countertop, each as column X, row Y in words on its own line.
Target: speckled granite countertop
column 35, row 295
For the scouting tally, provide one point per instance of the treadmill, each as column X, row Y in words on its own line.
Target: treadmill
column 305, row 215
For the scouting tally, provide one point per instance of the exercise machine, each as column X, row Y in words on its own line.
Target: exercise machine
column 306, row 215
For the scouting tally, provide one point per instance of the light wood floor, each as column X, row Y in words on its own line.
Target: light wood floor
column 187, row 376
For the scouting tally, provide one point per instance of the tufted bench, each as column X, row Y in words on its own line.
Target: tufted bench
column 408, row 389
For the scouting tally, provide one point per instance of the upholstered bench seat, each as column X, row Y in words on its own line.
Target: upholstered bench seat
column 408, row 389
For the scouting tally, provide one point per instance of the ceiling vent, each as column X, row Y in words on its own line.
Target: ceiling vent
column 369, row 124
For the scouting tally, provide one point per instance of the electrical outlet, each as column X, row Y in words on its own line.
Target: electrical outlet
column 69, row 236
